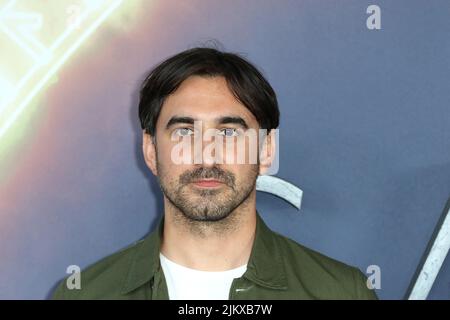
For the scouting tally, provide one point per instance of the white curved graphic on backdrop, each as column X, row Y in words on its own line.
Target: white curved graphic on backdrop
column 280, row 188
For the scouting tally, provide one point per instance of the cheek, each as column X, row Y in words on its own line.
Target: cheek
column 164, row 152
column 167, row 167
column 242, row 150
column 164, row 163
column 243, row 172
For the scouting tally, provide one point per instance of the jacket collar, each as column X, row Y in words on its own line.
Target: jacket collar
column 144, row 263
column 265, row 266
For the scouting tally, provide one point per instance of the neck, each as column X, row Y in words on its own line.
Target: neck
column 210, row 245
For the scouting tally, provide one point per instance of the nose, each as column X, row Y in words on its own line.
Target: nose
column 208, row 147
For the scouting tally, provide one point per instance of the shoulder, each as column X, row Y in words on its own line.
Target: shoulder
column 321, row 276
column 103, row 279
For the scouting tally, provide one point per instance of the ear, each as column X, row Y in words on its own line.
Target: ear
column 149, row 149
column 267, row 152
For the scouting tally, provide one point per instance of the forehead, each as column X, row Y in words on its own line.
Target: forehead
column 204, row 98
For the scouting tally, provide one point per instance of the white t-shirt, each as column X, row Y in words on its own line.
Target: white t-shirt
column 189, row 284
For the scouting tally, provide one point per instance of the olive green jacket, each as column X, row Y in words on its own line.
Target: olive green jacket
column 278, row 268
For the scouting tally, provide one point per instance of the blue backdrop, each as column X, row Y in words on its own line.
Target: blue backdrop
column 364, row 133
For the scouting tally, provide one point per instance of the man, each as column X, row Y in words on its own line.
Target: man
column 211, row 242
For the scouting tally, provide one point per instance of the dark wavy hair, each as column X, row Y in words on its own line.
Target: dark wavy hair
column 246, row 83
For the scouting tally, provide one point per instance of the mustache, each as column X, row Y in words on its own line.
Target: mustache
column 208, row 173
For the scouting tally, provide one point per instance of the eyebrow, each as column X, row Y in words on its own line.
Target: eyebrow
column 222, row 120
column 233, row 120
column 176, row 120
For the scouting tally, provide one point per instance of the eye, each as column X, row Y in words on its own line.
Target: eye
column 182, row 132
column 229, row 132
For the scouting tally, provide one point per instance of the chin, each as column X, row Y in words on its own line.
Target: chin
column 209, row 217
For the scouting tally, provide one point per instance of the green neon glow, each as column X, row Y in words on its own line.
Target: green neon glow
column 19, row 28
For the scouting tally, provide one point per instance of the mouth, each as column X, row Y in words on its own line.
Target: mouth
column 208, row 183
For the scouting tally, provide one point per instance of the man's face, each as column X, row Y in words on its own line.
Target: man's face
column 209, row 189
